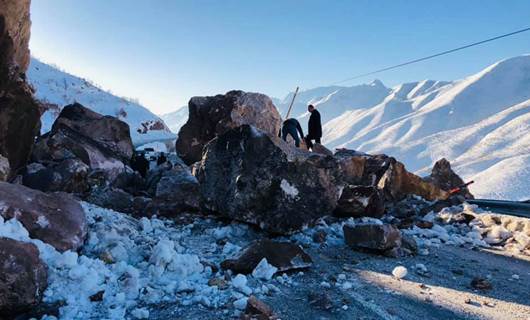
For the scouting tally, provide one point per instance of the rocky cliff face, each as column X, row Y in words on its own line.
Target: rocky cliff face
column 19, row 112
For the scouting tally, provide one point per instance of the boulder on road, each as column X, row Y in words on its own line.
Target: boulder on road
column 23, row 277
column 396, row 183
column 360, row 201
column 282, row 255
column 246, row 176
column 372, row 236
column 445, row 178
column 56, row 218
column 69, row 176
column 212, row 116
column 101, row 142
column 176, row 192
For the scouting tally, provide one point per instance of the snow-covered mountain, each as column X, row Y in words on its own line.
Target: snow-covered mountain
column 480, row 123
column 57, row 89
column 176, row 119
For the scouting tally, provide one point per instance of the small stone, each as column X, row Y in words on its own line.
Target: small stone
column 258, row 309
column 218, row 282
column 399, row 272
column 97, row 296
column 515, row 277
column 481, row 284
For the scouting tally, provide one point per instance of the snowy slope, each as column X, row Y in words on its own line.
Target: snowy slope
column 176, row 119
column 57, row 89
column 480, row 123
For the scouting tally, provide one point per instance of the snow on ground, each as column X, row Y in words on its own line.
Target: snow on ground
column 59, row 88
column 137, row 265
column 140, row 263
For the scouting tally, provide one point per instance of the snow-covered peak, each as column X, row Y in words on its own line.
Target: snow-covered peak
column 57, row 88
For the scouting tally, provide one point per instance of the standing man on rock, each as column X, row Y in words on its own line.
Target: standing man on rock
column 314, row 127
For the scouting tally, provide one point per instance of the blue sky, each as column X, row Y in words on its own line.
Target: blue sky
column 164, row 52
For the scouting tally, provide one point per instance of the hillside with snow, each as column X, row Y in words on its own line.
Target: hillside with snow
column 176, row 119
column 57, row 88
column 480, row 123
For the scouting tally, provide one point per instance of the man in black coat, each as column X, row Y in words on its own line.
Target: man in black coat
column 314, row 127
column 292, row 127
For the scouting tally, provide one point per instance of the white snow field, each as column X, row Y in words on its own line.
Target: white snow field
column 59, row 89
column 176, row 119
column 481, row 124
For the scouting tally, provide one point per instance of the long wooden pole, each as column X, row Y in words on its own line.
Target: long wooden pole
column 292, row 102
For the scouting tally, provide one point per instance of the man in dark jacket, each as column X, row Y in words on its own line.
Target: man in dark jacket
column 292, row 127
column 314, row 127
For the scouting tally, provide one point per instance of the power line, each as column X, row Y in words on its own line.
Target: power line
column 432, row 56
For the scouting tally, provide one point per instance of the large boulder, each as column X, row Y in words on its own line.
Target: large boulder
column 19, row 111
column 101, row 142
column 212, row 116
column 56, row 218
column 445, row 178
column 396, row 183
column 69, row 176
column 372, row 236
column 177, row 191
column 23, row 277
column 282, row 255
column 244, row 175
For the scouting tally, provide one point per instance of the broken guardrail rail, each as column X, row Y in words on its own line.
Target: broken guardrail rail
column 513, row 208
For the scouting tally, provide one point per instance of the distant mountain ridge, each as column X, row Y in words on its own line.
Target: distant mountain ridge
column 57, row 88
column 480, row 123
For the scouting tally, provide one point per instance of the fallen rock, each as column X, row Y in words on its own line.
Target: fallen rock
column 213, row 116
column 445, row 178
column 19, row 111
column 5, row 169
column 69, row 176
column 282, row 255
column 56, row 218
column 258, row 310
column 23, row 277
column 481, row 284
column 360, row 201
column 372, row 236
column 101, row 142
column 176, row 192
column 111, row 198
column 397, row 183
column 246, row 176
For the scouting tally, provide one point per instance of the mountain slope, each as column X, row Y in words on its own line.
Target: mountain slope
column 57, row 89
column 481, row 124
column 176, row 119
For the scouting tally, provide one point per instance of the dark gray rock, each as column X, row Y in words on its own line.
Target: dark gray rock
column 23, row 277
column 246, row 176
column 372, row 236
column 101, row 142
column 69, row 175
column 360, row 201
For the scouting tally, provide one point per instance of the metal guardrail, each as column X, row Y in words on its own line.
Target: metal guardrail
column 513, row 208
